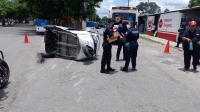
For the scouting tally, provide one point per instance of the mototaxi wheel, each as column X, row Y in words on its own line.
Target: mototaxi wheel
column 4, row 74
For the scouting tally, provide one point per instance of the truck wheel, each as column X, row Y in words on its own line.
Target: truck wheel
column 4, row 74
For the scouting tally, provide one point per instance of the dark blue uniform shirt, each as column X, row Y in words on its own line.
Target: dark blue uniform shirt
column 122, row 30
column 132, row 35
column 108, row 31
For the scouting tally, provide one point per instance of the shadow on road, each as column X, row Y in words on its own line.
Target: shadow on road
column 190, row 70
column 3, row 96
column 25, row 28
column 30, row 32
column 112, row 73
column 89, row 61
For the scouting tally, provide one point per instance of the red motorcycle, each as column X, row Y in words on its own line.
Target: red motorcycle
column 4, row 71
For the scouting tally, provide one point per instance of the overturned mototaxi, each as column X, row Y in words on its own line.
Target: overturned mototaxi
column 71, row 43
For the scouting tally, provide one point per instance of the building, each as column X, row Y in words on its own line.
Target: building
column 167, row 24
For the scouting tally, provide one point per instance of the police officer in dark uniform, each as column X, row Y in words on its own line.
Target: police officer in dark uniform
column 191, row 39
column 181, row 30
column 122, row 29
column 106, row 57
column 131, row 37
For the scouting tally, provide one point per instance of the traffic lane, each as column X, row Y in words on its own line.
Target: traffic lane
column 67, row 85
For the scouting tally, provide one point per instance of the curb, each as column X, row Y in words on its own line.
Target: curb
column 155, row 41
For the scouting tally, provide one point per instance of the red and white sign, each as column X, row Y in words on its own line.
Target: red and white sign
column 150, row 22
column 168, row 25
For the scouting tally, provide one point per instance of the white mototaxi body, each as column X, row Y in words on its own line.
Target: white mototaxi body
column 71, row 43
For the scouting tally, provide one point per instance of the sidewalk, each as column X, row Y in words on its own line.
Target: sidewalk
column 160, row 40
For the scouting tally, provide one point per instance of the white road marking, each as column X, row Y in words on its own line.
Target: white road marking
column 41, row 69
column 78, row 82
column 55, row 80
column 79, row 98
column 76, row 72
column 74, row 77
column 31, row 76
column 54, row 66
column 69, row 64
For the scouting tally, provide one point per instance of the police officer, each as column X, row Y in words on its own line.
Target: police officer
column 191, row 36
column 106, row 57
column 122, row 29
column 131, row 37
column 181, row 30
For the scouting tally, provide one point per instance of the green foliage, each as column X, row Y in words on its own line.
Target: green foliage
column 13, row 9
column 98, row 18
column 51, row 9
column 105, row 18
column 193, row 3
column 166, row 10
column 143, row 8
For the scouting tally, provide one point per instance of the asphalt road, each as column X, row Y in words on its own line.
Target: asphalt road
column 61, row 85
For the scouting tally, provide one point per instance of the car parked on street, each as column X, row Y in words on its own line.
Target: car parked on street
column 102, row 24
column 96, row 24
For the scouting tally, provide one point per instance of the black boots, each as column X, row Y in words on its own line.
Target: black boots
column 124, row 69
column 107, row 71
column 134, row 69
column 104, row 71
column 110, row 69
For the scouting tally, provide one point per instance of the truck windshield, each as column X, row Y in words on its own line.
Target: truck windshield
column 119, row 16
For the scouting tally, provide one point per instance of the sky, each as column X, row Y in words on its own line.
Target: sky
column 170, row 4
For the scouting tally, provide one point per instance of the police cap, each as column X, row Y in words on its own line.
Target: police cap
column 110, row 20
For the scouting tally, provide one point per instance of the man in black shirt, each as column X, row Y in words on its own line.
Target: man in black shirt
column 106, row 57
column 191, row 37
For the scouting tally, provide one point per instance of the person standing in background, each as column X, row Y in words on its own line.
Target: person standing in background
column 153, row 27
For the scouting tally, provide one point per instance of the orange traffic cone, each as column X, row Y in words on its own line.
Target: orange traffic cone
column 25, row 38
column 167, row 48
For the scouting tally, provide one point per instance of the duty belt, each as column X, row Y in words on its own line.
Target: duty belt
column 133, row 41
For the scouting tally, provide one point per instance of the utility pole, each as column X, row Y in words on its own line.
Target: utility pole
column 148, row 7
column 95, row 15
column 128, row 3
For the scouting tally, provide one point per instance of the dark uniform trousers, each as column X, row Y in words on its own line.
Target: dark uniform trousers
column 107, row 55
column 120, row 45
column 187, row 57
column 131, row 54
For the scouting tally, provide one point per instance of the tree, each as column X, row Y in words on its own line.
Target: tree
column 51, row 9
column 143, row 8
column 193, row 3
column 98, row 18
column 13, row 9
column 166, row 10
column 7, row 10
column 22, row 11
column 105, row 18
